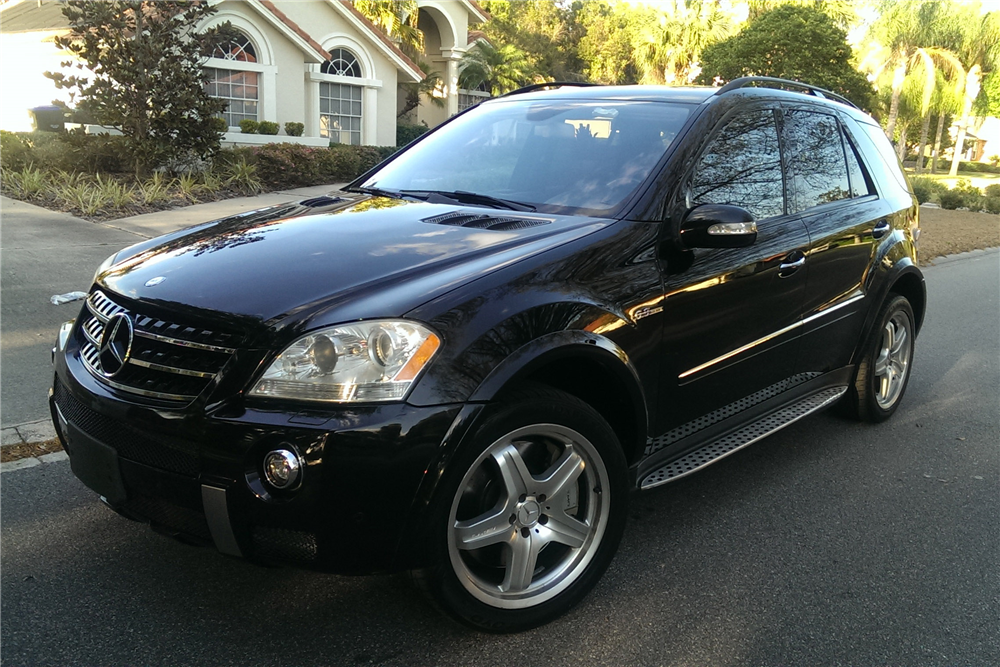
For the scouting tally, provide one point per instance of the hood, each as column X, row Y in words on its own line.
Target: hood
column 372, row 258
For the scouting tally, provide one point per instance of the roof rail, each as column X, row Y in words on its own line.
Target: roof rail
column 745, row 81
column 550, row 84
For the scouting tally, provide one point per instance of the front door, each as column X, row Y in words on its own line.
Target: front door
column 731, row 315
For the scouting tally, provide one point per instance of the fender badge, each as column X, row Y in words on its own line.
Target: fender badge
column 153, row 282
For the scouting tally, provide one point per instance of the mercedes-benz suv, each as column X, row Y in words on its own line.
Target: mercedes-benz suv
column 466, row 362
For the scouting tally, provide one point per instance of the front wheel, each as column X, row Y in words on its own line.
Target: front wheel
column 531, row 515
column 884, row 370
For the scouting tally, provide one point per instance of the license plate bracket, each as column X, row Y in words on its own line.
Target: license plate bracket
column 95, row 464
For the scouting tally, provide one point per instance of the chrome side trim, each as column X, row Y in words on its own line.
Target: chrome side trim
column 213, row 499
column 171, row 369
column 184, row 343
column 771, row 336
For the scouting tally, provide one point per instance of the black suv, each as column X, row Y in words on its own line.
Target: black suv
column 465, row 364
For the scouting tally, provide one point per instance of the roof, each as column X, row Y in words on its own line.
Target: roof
column 379, row 38
column 24, row 16
column 476, row 35
column 294, row 27
column 476, row 10
column 683, row 94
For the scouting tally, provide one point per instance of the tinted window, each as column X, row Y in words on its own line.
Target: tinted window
column 859, row 181
column 818, row 169
column 885, row 150
column 555, row 154
column 742, row 167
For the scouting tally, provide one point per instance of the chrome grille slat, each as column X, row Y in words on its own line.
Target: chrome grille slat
column 163, row 367
column 183, row 343
column 171, row 369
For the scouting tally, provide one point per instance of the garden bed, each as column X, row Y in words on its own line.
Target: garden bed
column 946, row 232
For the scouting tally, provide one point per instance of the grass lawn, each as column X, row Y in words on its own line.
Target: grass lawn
column 976, row 178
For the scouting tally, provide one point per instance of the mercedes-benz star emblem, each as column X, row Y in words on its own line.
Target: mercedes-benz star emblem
column 116, row 344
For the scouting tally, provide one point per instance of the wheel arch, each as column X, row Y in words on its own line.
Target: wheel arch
column 586, row 365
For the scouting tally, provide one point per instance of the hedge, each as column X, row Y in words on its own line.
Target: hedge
column 279, row 165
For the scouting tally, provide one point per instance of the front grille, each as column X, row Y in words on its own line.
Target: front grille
column 168, row 360
column 130, row 443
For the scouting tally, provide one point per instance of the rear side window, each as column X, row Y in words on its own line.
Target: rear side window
column 816, row 159
column 885, row 151
column 742, row 166
column 860, row 184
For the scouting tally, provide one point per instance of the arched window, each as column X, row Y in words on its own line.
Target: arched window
column 340, row 103
column 240, row 88
column 239, row 48
column 342, row 63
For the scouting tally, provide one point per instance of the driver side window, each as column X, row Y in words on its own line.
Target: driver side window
column 742, row 166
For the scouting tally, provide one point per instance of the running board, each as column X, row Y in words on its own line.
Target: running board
column 737, row 440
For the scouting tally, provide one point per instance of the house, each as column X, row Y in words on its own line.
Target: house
column 317, row 62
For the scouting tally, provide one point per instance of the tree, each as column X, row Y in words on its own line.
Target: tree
column 429, row 87
column 605, row 49
column 671, row 42
column 398, row 20
column 501, row 69
column 797, row 42
column 139, row 67
column 546, row 32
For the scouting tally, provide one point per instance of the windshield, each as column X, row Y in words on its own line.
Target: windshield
column 556, row 156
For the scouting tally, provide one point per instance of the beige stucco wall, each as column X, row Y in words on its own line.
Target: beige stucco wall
column 24, row 57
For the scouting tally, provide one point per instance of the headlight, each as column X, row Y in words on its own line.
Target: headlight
column 351, row 363
column 105, row 265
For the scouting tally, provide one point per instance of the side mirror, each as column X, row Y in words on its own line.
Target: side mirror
column 718, row 226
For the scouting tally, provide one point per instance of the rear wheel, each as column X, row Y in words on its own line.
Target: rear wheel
column 884, row 370
column 531, row 516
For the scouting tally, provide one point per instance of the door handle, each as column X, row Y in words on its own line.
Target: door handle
column 791, row 264
column 881, row 229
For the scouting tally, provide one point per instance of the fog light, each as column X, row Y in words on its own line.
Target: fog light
column 282, row 469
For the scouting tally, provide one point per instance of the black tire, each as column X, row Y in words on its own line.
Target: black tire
column 483, row 580
column 874, row 397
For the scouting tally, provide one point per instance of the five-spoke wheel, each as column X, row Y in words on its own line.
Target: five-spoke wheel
column 532, row 516
column 884, row 368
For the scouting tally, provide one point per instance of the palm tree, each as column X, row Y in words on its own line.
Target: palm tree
column 501, row 69
column 980, row 53
column 672, row 41
column 398, row 20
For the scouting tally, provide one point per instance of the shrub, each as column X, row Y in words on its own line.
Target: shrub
column 992, row 190
column 219, row 124
column 294, row 129
column 927, row 189
column 249, row 126
column 406, row 132
column 283, row 165
column 972, row 196
column 267, row 127
column 340, row 163
column 952, row 199
column 15, row 153
column 992, row 204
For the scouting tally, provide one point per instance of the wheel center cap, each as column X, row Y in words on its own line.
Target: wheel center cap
column 528, row 513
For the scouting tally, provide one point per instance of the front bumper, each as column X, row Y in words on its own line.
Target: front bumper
column 185, row 472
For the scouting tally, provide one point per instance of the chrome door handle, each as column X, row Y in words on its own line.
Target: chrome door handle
column 881, row 229
column 787, row 268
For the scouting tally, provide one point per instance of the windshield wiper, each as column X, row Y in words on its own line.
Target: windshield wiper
column 463, row 197
column 378, row 192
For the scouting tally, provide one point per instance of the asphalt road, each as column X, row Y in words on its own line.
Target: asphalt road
column 830, row 543
column 44, row 253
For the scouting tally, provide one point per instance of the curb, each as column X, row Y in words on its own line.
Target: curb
column 970, row 254
column 27, row 433
column 31, row 461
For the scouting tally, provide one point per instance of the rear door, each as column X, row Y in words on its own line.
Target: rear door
column 830, row 189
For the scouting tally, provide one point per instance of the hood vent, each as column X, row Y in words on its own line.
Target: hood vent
column 494, row 223
column 324, row 200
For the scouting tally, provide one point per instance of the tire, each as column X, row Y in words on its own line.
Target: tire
column 506, row 556
column 884, row 370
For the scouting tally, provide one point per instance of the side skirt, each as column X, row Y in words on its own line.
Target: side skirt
column 708, row 445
